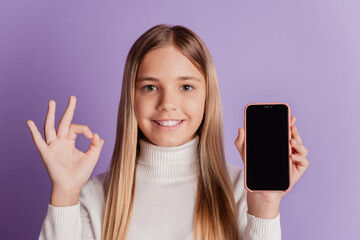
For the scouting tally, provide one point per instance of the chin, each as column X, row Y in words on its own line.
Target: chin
column 167, row 142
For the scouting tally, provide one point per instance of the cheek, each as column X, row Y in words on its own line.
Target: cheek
column 141, row 112
column 195, row 108
column 142, row 108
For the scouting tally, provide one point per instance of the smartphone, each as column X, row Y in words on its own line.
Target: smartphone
column 267, row 147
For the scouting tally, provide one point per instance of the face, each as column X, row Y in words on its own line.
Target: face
column 169, row 97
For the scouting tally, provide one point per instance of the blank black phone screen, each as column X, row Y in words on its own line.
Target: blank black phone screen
column 267, row 147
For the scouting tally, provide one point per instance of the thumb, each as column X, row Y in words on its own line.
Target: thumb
column 239, row 142
column 95, row 147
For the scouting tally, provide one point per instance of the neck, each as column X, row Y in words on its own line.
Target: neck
column 164, row 164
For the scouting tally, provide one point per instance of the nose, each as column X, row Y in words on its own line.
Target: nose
column 167, row 101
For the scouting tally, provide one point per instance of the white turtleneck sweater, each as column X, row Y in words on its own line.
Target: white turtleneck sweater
column 164, row 201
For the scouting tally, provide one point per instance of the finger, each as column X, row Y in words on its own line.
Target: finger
column 95, row 147
column 295, row 134
column 49, row 128
column 67, row 118
column 301, row 149
column 239, row 142
column 76, row 129
column 37, row 138
column 300, row 161
column 292, row 120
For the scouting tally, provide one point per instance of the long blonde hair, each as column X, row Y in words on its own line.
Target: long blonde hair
column 215, row 215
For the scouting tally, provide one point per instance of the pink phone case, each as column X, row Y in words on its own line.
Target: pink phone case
column 290, row 150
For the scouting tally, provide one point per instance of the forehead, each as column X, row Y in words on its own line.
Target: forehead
column 167, row 63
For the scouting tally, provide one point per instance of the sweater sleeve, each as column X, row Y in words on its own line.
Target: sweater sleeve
column 71, row 222
column 61, row 223
column 251, row 227
column 261, row 228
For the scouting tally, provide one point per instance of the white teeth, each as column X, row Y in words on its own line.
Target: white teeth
column 168, row 123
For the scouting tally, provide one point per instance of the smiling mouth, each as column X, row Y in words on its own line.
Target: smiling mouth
column 168, row 123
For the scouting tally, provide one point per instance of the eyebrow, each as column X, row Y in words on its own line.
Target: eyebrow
column 183, row 78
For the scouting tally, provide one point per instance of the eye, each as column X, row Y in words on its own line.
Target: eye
column 188, row 87
column 148, row 88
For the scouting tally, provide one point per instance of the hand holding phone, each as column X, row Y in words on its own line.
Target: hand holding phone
column 265, row 204
column 299, row 163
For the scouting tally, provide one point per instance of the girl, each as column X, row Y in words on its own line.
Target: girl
column 168, row 177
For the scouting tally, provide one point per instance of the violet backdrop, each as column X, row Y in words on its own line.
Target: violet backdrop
column 305, row 53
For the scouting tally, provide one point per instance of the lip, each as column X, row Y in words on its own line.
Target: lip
column 168, row 128
column 168, row 120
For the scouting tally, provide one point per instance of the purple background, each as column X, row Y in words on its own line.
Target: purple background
column 305, row 53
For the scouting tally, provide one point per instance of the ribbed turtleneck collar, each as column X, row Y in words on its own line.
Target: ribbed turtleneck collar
column 166, row 164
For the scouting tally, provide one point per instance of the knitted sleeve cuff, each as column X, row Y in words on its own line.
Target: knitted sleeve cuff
column 61, row 223
column 69, row 214
column 264, row 227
